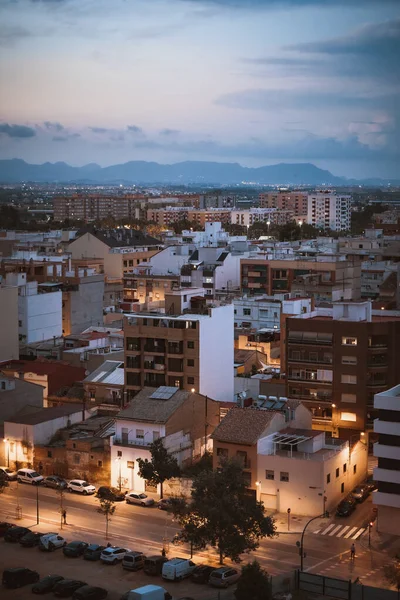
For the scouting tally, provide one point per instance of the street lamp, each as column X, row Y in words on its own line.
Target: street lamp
column 37, row 504
column 118, row 459
column 370, row 525
column 300, row 544
column 8, row 451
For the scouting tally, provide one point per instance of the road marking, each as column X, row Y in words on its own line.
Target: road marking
column 343, row 531
column 328, row 529
column 335, row 530
column 359, row 532
column 351, row 532
column 318, row 530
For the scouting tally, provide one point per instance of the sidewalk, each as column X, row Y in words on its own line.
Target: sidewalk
column 296, row 524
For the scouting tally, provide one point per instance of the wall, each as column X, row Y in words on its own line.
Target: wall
column 170, row 260
column 9, row 348
column 40, row 316
column 232, row 453
column 86, row 304
column 14, row 400
column 41, row 433
column 88, row 246
column 227, row 276
column 217, row 354
column 130, row 479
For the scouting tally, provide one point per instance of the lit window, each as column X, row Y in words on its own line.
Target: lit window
column 139, row 434
column 349, row 341
column 349, row 378
column 349, row 360
column 347, row 416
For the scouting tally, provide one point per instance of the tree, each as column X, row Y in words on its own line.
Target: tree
column 223, row 514
column 254, row 583
column 107, row 509
column 3, row 482
column 392, row 574
column 161, row 467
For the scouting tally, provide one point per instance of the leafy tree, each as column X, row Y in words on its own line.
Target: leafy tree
column 392, row 574
column 106, row 508
column 3, row 482
column 223, row 514
column 254, row 583
column 161, row 467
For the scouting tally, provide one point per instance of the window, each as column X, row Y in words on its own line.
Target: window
column 269, row 475
column 130, row 464
column 140, row 434
column 119, row 452
column 77, row 459
column 12, row 444
column 190, row 345
column 352, row 398
column 344, row 468
column 349, row 341
column 337, row 472
column 342, row 488
column 349, row 378
column 354, row 469
column 92, row 394
column 190, row 380
column 19, row 323
column 190, row 362
column 349, row 360
column 91, row 457
column 284, row 476
column 49, row 454
column 99, row 463
column 222, row 452
column 346, row 416
column 156, row 435
column 74, row 445
column 246, row 312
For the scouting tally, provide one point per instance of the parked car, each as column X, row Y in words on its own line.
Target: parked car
column 223, row 577
column 177, row 569
column 66, row 587
column 110, row 493
column 29, row 476
column 14, row 534
column 153, row 564
column 9, row 474
column 55, row 482
column 360, row 493
column 370, row 483
column 140, row 498
column 89, row 592
column 81, row 486
column 93, row 552
column 51, row 541
column 4, row 527
column 46, row 584
column 148, row 592
column 133, row 561
column 75, row 549
column 165, row 504
column 202, row 573
column 346, row 507
column 18, row 577
column 31, row 539
column 113, row 554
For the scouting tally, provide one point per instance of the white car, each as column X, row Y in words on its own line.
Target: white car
column 51, row 541
column 9, row 474
column 140, row 498
column 81, row 486
column 113, row 554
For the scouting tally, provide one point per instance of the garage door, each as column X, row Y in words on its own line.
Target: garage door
column 269, row 500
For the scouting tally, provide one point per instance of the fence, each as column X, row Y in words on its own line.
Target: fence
column 341, row 588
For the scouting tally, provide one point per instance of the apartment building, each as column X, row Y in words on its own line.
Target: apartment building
column 294, row 201
column 168, row 215
column 216, row 200
column 143, row 288
column 190, row 346
column 264, row 313
column 89, row 208
column 387, row 450
column 328, row 210
column 9, row 347
column 210, row 215
column 337, row 359
column 324, row 277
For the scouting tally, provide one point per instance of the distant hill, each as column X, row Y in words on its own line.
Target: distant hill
column 189, row 172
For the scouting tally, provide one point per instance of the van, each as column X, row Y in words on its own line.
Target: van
column 133, row 561
column 29, row 476
column 177, row 569
column 149, row 592
column 153, row 564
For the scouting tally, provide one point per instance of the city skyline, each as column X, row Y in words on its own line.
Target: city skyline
column 254, row 82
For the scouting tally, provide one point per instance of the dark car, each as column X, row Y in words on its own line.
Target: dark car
column 360, row 493
column 46, row 584
column 55, row 482
column 165, row 504
column 110, row 493
column 370, row 483
column 75, row 549
column 346, row 507
column 93, row 552
column 31, row 539
column 4, row 527
column 14, row 534
column 153, row 564
column 202, row 573
column 90, row 592
column 15, row 578
column 66, row 587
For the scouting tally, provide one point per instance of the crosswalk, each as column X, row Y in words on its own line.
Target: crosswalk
column 341, row 531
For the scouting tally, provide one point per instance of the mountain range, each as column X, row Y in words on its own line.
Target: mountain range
column 189, row 172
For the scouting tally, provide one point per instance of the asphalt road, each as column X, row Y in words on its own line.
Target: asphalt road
column 326, row 545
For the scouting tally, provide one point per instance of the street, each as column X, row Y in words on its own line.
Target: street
column 326, row 544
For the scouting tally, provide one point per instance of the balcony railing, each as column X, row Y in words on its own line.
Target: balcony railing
column 318, row 398
column 130, row 443
column 306, row 380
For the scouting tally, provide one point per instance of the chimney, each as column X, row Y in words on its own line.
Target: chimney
column 76, row 271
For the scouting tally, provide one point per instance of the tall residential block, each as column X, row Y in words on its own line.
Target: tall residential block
column 328, row 210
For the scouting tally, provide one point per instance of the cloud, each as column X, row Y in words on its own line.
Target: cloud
column 17, row 131
column 53, row 126
column 60, row 138
column 270, row 4
column 134, row 129
column 169, row 132
column 13, row 33
column 99, row 130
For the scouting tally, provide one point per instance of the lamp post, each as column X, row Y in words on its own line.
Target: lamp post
column 37, row 504
column 118, row 459
column 300, row 544
column 6, row 441
column 370, row 524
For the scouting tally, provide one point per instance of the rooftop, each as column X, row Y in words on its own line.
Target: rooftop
column 110, row 372
column 243, row 425
column 45, row 414
column 119, row 238
column 154, row 410
column 40, row 366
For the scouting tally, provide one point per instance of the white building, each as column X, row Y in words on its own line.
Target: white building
column 167, row 261
column 387, row 450
column 329, row 210
column 264, row 312
column 39, row 309
column 253, row 215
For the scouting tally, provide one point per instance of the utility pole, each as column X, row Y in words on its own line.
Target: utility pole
column 37, row 504
column 300, row 544
column 205, row 424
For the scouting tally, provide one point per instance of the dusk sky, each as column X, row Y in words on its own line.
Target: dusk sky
column 249, row 81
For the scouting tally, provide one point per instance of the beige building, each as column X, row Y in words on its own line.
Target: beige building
column 9, row 348
column 285, row 200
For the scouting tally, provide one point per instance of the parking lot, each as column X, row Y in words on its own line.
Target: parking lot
column 113, row 578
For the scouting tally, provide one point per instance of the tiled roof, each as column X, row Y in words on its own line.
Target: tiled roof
column 144, row 408
column 45, row 414
column 242, row 356
column 118, row 238
column 243, row 425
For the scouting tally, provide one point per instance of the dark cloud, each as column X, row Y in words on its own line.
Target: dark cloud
column 53, row 126
column 100, row 130
column 12, row 33
column 17, row 131
column 169, row 132
column 60, row 138
column 134, row 129
column 268, row 4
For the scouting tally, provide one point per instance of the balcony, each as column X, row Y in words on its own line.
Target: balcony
column 383, row 451
column 307, row 380
column 154, row 349
column 317, row 361
column 150, row 365
column 383, row 499
column 307, row 397
column 386, row 427
column 130, row 443
column 389, row 475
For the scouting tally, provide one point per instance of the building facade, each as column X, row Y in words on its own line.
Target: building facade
column 294, row 201
column 329, row 210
